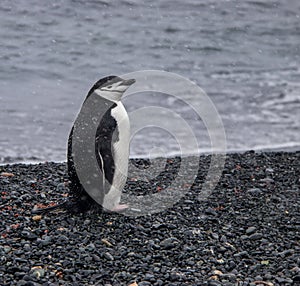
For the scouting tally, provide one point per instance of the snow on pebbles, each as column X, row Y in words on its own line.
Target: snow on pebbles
column 245, row 233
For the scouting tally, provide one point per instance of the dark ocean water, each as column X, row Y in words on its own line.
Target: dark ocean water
column 244, row 54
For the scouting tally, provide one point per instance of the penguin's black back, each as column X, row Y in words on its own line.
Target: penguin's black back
column 81, row 199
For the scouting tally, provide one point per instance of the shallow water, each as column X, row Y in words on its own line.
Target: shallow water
column 245, row 56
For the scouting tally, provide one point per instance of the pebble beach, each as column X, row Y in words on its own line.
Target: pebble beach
column 245, row 233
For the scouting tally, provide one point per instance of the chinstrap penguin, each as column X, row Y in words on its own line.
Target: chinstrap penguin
column 102, row 125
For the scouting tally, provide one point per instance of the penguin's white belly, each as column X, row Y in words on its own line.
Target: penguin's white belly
column 120, row 152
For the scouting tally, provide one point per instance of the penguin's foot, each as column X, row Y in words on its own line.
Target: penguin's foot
column 118, row 208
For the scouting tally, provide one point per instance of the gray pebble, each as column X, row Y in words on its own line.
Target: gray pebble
column 108, row 256
column 250, row 230
column 169, row 243
column 210, row 211
column 256, row 236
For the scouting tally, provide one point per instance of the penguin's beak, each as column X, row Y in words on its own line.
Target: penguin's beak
column 121, row 86
column 127, row 82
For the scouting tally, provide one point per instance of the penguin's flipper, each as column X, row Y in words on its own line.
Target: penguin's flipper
column 103, row 145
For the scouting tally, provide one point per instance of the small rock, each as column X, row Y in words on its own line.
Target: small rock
column 214, row 236
column 229, row 276
column 37, row 272
column 268, row 276
column 255, row 191
column 108, row 256
column 174, row 276
column 37, row 217
column 96, row 258
column 28, row 234
column 169, row 243
column 91, row 247
column 144, row 283
column 250, row 230
column 242, row 254
column 149, row 277
column 217, row 272
column 222, row 249
column 106, row 242
column 27, row 278
column 60, row 187
column 6, row 174
column 267, row 180
column 157, row 225
column 210, row 211
column 46, row 240
column 260, row 282
column 214, row 283
column 7, row 249
column 256, row 236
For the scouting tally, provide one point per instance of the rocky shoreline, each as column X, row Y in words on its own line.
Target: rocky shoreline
column 246, row 232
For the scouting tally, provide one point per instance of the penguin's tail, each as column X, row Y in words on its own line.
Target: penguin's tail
column 71, row 206
column 66, row 205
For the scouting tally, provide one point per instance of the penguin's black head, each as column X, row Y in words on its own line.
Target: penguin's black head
column 111, row 87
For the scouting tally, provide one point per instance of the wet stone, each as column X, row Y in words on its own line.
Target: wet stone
column 256, row 236
column 108, row 256
column 144, row 283
column 214, row 283
column 169, row 243
column 91, row 247
column 210, row 211
column 250, row 230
